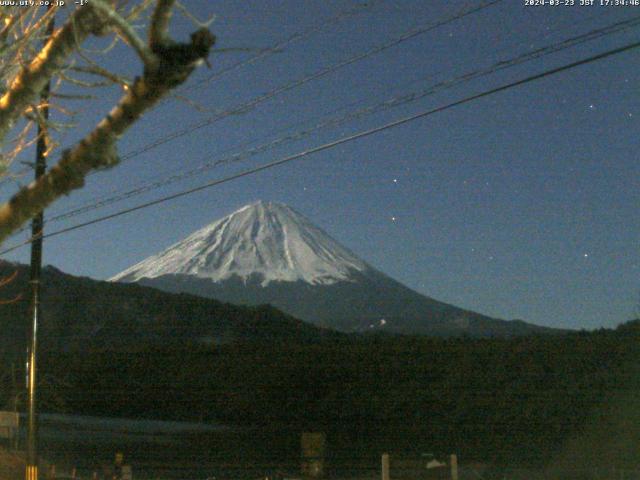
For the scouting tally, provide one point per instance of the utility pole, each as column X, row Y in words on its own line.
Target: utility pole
column 34, row 278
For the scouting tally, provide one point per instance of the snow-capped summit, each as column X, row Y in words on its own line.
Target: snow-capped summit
column 265, row 240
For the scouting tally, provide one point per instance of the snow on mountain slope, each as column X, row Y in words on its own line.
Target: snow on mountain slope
column 267, row 239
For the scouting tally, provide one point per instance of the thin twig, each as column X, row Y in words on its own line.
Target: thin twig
column 98, row 71
column 126, row 31
column 197, row 22
column 137, row 10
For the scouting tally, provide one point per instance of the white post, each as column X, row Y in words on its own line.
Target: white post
column 385, row 466
column 454, row 467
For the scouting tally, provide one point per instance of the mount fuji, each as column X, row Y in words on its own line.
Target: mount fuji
column 267, row 252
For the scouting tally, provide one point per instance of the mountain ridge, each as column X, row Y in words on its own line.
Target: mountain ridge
column 82, row 314
column 266, row 252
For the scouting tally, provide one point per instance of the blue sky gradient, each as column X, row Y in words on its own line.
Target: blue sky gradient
column 519, row 205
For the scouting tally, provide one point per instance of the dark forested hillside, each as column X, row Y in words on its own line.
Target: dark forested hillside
column 79, row 314
column 127, row 350
column 524, row 399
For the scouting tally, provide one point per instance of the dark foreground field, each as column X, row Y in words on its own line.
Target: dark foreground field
column 544, row 402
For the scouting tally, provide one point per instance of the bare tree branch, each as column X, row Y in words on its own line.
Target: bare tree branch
column 28, row 84
column 81, row 83
column 136, row 11
column 159, row 28
column 126, row 31
column 98, row 149
column 198, row 23
column 104, row 73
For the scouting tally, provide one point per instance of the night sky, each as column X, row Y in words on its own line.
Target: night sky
column 523, row 204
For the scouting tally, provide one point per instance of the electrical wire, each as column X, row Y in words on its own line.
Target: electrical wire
column 335, row 143
column 408, row 35
column 398, row 40
column 386, row 104
column 264, row 53
column 247, row 106
column 279, row 46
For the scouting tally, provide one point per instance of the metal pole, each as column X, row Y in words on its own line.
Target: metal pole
column 454, row 467
column 34, row 277
column 385, row 466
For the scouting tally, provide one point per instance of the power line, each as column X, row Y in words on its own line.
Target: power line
column 319, row 74
column 309, row 78
column 290, row 86
column 278, row 47
column 301, row 35
column 386, row 104
column 335, row 143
